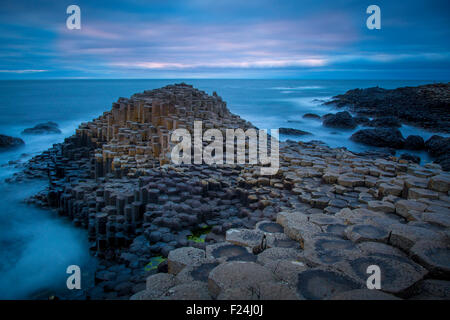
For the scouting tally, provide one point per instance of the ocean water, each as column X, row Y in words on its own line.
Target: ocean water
column 36, row 246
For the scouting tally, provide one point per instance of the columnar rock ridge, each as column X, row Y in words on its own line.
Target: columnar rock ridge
column 322, row 219
column 134, row 135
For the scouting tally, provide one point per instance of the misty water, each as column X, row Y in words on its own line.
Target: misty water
column 36, row 245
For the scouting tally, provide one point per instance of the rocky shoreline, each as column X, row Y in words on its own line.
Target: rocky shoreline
column 163, row 231
column 425, row 106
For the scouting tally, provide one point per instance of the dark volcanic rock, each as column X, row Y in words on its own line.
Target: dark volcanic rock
column 379, row 137
column 311, row 116
column 444, row 161
column 426, row 106
column 414, row 143
column 343, row 120
column 385, row 122
column 410, row 157
column 8, row 142
column 43, row 128
column 294, row 132
column 439, row 147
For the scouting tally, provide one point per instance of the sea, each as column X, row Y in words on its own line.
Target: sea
column 36, row 245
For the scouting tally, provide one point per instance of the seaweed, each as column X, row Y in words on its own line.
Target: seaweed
column 154, row 262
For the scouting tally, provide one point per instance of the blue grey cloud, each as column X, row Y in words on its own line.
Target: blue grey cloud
column 200, row 38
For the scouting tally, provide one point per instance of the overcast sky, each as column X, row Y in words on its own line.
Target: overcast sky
column 303, row 39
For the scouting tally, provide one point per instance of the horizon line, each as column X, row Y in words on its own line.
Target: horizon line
column 266, row 79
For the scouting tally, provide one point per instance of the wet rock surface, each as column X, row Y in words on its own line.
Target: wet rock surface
column 342, row 120
column 439, row 147
column 10, row 142
column 379, row 137
column 43, row 128
column 414, row 142
column 425, row 106
column 307, row 232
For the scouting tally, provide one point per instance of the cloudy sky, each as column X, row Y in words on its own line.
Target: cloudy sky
column 304, row 39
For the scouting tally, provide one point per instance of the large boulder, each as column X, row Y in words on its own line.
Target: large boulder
column 380, row 137
column 9, row 142
column 439, row 147
column 342, row 120
column 413, row 142
column 43, row 128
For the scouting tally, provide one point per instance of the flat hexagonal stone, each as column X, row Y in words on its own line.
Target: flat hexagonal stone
column 416, row 182
column 198, row 272
column 269, row 227
column 297, row 227
column 382, row 206
column 433, row 255
column 156, row 285
column 272, row 254
column 337, row 229
column 358, row 216
column 244, row 237
column 281, row 240
column 324, row 219
column 226, row 251
column 440, row 182
column 437, row 218
column 350, row 181
column 377, row 248
column 398, row 273
column 181, row 257
column 160, row 282
column 284, row 216
column 318, row 284
column 405, row 208
column 364, row 294
column 237, row 274
column 286, row 270
column 418, row 193
column 263, row 291
column 327, row 250
column 366, row 232
column 437, row 206
column 405, row 236
column 390, row 189
column 194, row 290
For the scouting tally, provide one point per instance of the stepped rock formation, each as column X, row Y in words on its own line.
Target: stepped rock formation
column 134, row 135
column 322, row 219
